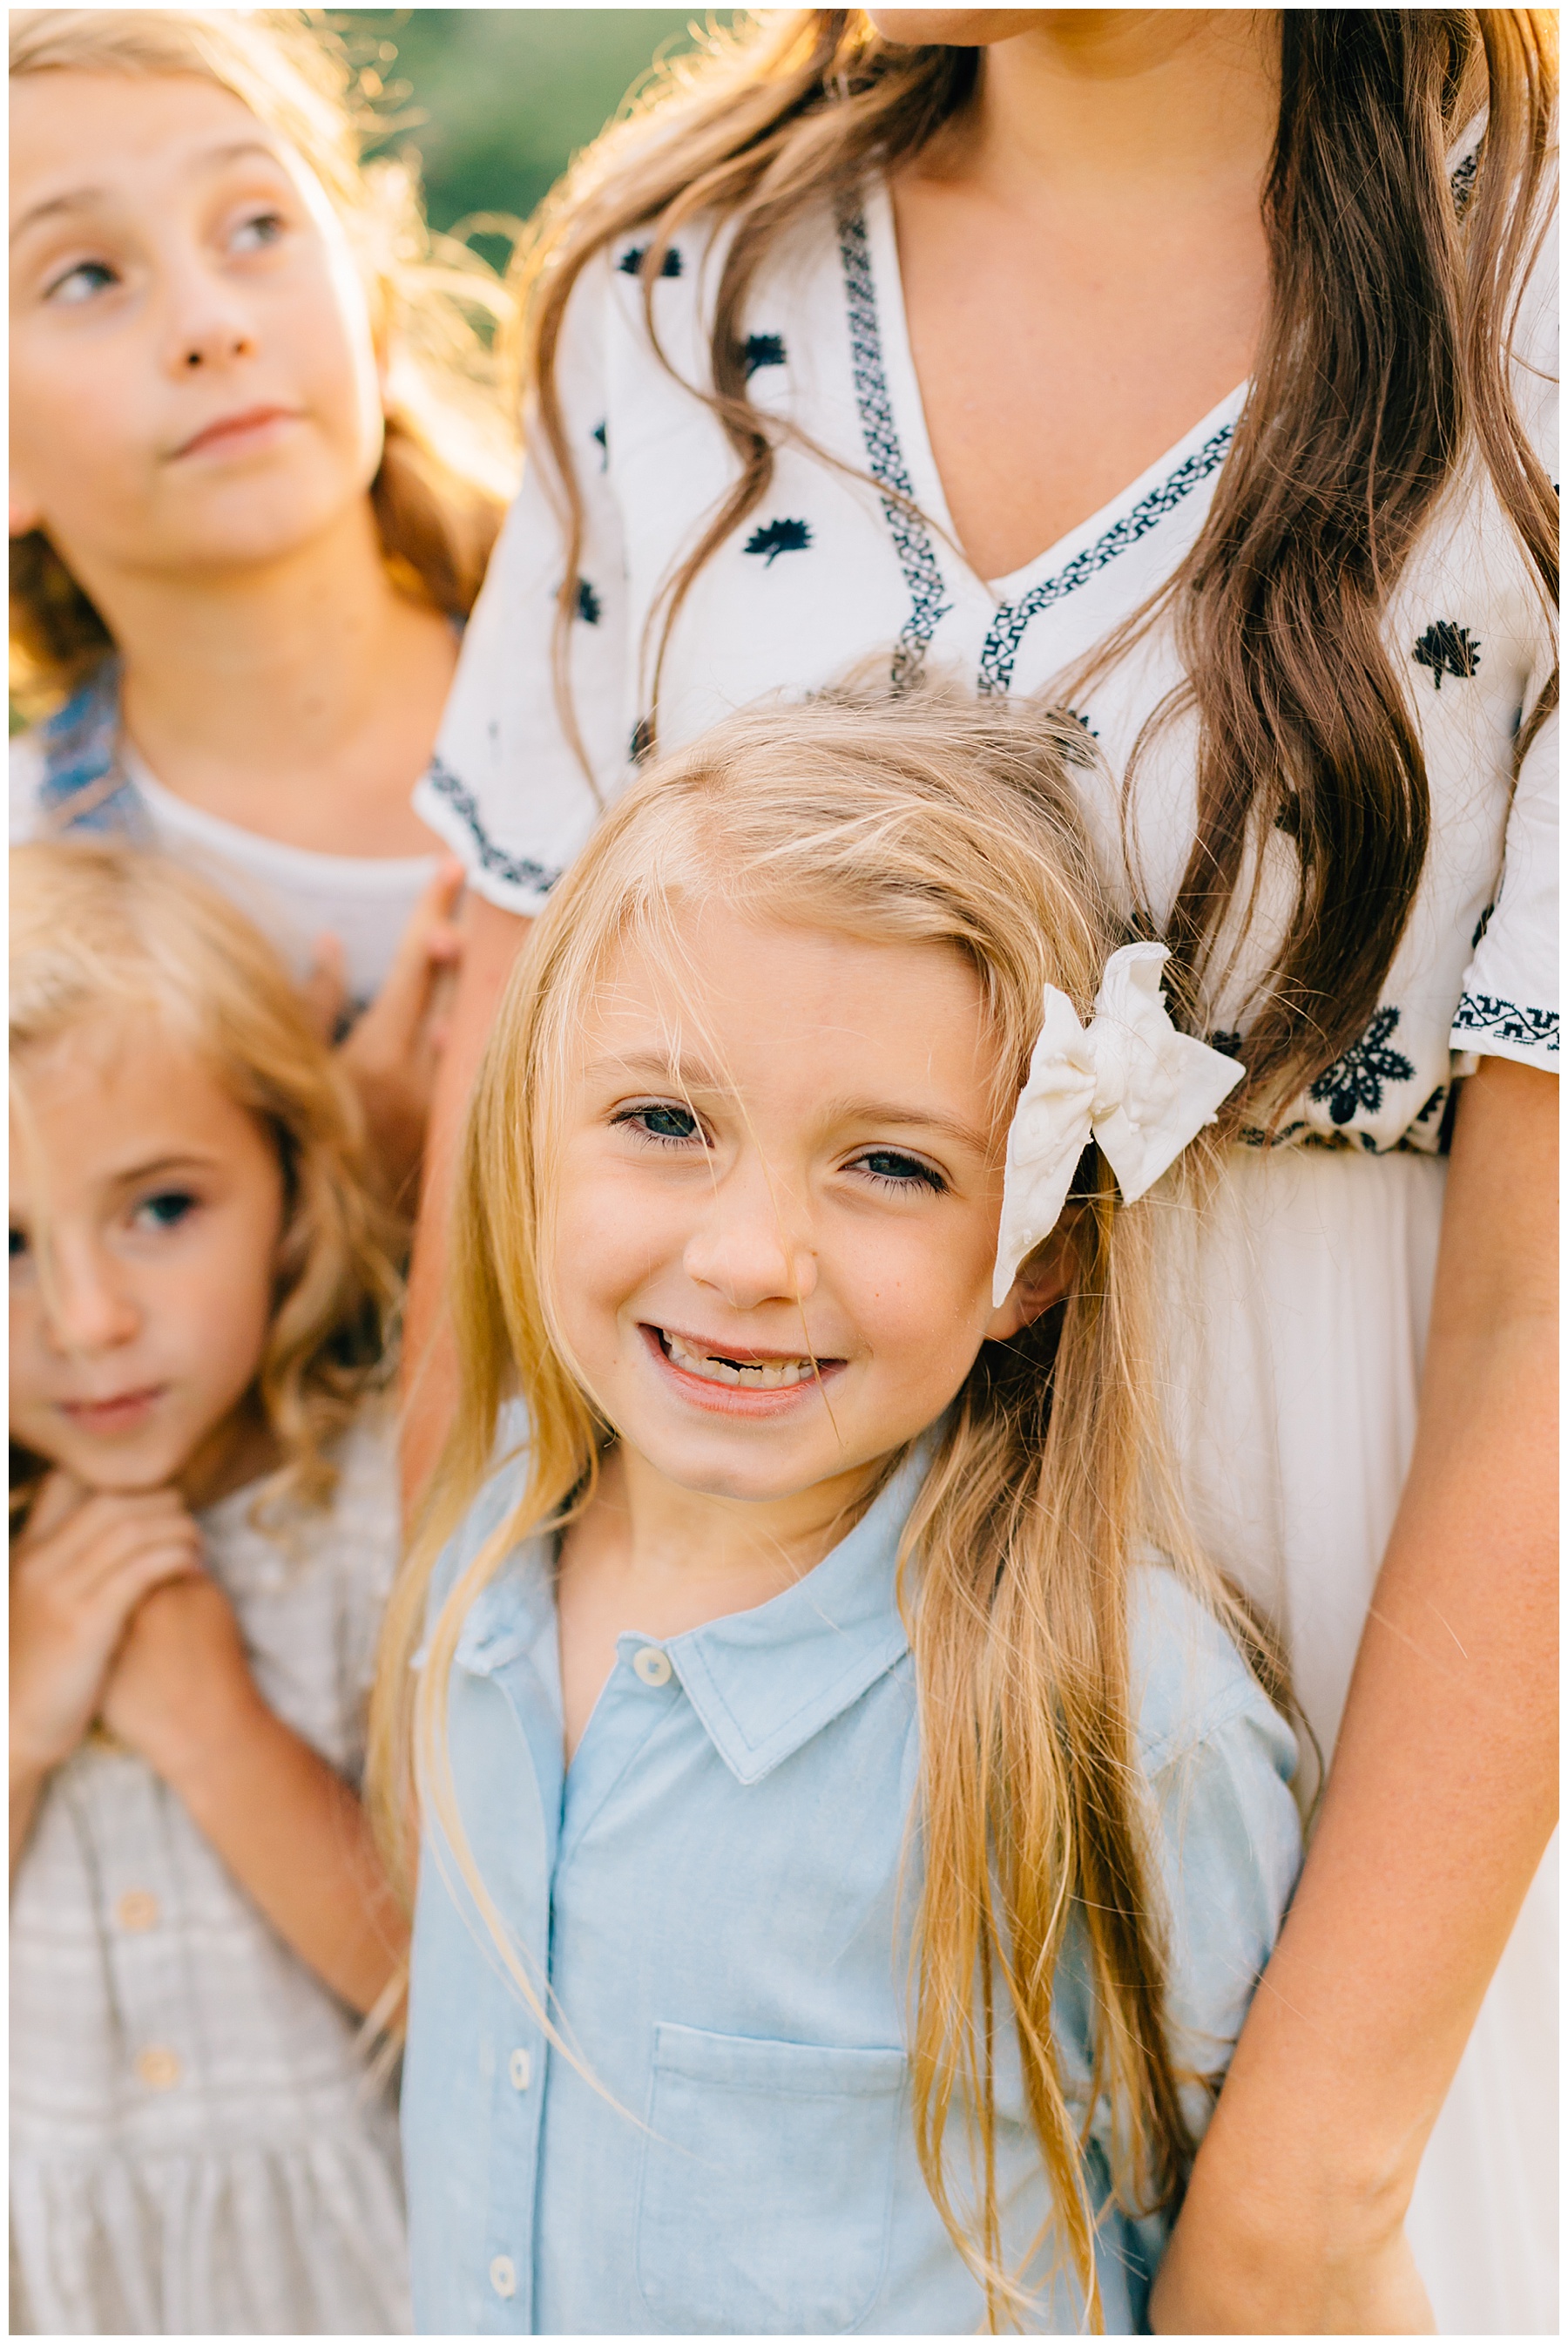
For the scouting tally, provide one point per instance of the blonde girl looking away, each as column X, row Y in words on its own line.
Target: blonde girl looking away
column 849, row 1835
column 257, row 460
column 202, row 1535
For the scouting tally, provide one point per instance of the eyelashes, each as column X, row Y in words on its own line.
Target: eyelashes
column 662, row 1124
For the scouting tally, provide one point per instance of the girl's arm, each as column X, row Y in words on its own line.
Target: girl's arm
column 1440, row 1802
column 492, row 940
column 289, row 1829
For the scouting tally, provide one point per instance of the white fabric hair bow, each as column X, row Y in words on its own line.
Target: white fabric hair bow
column 1127, row 1080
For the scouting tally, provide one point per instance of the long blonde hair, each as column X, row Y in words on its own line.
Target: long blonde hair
column 941, row 821
column 110, row 932
column 449, row 455
column 1382, row 371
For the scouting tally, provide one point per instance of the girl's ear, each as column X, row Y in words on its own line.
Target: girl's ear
column 1043, row 1279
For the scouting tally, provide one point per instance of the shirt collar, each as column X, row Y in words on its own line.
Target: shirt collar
column 764, row 1682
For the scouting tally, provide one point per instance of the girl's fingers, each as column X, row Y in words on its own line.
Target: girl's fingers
column 122, row 1549
column 326, row 987
column 59, row 1498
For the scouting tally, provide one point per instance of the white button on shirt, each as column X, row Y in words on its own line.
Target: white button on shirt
column 653, row 1666
column 521, row 2068
column 503, row 2276
column 710, row 1895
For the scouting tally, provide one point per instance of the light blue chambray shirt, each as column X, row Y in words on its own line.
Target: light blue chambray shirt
column 715, row 1888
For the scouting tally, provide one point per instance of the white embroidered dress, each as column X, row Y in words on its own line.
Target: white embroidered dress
column 194, row 2146
column 1300, row 1303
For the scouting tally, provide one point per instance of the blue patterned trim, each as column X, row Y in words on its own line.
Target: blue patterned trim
column 912, row 538
column 518, row 871
column 83, row 787
column 1007, row 628
column 1506, row 1021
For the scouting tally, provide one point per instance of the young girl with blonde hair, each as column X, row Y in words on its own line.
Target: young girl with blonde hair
column 203, row 1532
column 259, row 457
column 850, row 1837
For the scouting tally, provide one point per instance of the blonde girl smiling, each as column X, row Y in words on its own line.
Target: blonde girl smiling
column 850, row 1837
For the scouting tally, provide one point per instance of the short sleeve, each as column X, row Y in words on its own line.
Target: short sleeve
column 1219, row 1761
column 1510, row 1007
column 509, row 788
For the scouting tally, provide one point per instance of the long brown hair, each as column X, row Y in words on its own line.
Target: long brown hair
column 448, row 457
column 1382, row 367
column 938, row 820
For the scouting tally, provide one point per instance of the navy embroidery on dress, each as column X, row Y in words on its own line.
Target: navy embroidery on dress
column 761, row 350
column 630, row 263
column 1355, row 1081
column 641, row 741
column 518, row 870
column 1462, row 184
column 885, row 459
column 1447, row 649
column 601, row 433
column 1507, row 1021
column 1079, row 718
column 1481, row 925
column 777, row 537
column 1226, row 1041
column 1007, row 628
column 590, row 608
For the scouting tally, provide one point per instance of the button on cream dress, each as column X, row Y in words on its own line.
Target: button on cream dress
column 196, row 2147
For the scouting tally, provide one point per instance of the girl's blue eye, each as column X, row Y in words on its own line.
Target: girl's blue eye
column 79, row 284
column 890, row 1165
column 256, row 234
column 167, row 1209
column 670, row 1123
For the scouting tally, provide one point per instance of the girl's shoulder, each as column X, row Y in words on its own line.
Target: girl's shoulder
column 1190, row 1685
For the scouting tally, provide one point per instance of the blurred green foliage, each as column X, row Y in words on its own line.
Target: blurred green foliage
column 505, row 97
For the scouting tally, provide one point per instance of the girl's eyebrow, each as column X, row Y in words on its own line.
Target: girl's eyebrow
column 890, row 1115
column 154, row 1167
column 650, row 1066
column 76, row 199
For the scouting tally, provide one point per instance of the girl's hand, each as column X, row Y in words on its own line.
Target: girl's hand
column 180, row 1686
column 390, row 1053
column 79, row 1572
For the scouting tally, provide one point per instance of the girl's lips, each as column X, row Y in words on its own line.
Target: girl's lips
column 750, row 1400
column 233, row 432
column 122, row 1414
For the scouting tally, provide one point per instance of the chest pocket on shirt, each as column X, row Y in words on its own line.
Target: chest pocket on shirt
column 767, row 2184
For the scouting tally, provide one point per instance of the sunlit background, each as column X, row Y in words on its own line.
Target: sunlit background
column 504, row 97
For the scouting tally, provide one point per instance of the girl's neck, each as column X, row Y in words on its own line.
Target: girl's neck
column 695, row 1557
column 298, row 698
column 236, row 1452
column 1115, row 105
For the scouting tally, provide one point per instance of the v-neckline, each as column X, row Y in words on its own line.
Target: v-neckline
column 909, row 415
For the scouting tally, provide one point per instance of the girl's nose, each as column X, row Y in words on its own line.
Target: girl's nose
column 747, row 1249
column 209, row 326
column 87, row 1306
